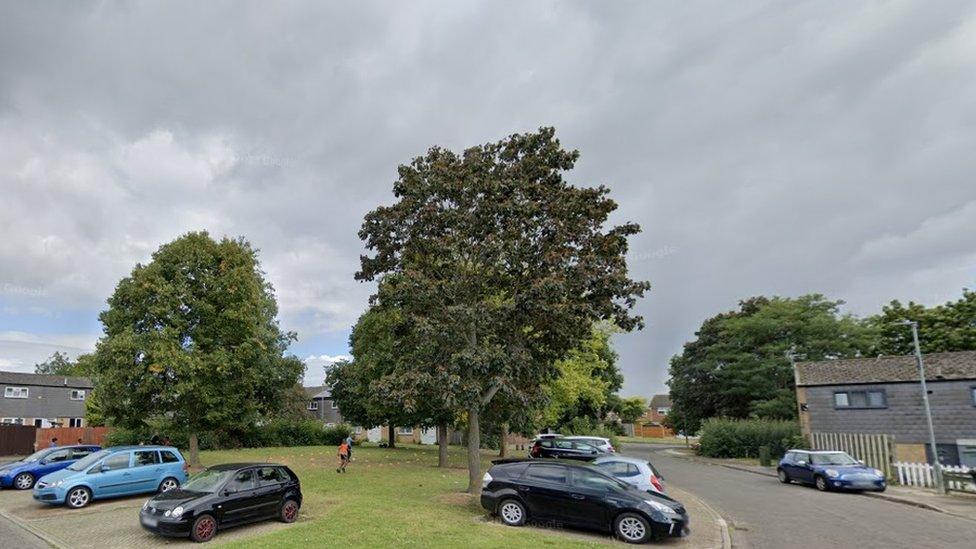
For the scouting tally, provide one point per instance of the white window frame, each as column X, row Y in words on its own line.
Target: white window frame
column 21, row 392
column 79, row 420
column 12, row 421
column 78, row 394
column 313, row 406
column 335, row 405
column 405, row 431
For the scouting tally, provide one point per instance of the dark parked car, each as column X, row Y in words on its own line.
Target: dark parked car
column 577, row 494
column 563, row 448
column 223, row 496
column 828, row 471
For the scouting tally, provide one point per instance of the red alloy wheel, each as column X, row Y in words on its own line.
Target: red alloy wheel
column 205, row 528
column 290, row 511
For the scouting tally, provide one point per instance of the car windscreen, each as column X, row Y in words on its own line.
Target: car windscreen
column 208, row 481
column 36, row 456
column 87, row 462
column 833, row 458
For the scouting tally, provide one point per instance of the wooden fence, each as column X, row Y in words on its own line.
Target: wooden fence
column 875, row 450
column 651, row 431
column 16, row 440
column 923, row 476
column 71, row 435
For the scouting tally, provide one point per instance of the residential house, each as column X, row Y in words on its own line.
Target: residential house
column 43, row 400
column 883, row 396
column 651, row 423
column 323, row 407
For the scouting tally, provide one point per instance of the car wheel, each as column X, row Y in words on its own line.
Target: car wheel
column 289, row 511
column 168, row 484
column 204, row 529
column 24, row 481
column 78, row 497
column 512, row 512
column 632, row 528
column 821, row 484
column 783, row 477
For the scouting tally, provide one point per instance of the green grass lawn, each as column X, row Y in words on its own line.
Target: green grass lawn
column 389, row 497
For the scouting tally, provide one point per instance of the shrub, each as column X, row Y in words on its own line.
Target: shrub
column 275, row 433
column 736, row 438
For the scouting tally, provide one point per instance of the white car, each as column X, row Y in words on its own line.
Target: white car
column 601, row 444
column 638, row 472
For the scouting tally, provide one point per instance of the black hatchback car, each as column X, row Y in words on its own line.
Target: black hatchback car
column 577, row 494
column 223, row 496
column 563, row 448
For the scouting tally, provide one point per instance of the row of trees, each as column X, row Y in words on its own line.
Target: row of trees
column 737, row 366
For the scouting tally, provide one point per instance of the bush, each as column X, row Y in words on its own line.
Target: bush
column 275, row 433
column 735, row 438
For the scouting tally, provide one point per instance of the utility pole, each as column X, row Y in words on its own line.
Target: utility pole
column 939, row 482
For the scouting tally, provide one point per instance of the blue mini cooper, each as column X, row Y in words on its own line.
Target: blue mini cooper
column 113, row 472
column 24, row 473
column 829, row 471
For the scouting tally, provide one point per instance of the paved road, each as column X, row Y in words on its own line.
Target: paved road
column 768, row 515
column 12, row 535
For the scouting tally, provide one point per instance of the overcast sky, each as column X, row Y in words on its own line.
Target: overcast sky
column 774, row 148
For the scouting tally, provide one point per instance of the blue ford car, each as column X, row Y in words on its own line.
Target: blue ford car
column 24, row 473
column 114, row 472
column 829, row 471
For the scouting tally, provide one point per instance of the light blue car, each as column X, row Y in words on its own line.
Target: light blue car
column 113, row 472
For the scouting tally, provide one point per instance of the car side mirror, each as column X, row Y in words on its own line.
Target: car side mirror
column 228, row 491
column 44, row 462
column 104, row 468
column 861, row 461
column 802, row 463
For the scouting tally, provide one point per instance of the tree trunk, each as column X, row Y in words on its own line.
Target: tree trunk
column 503, row 446
column 392, row 435
column 194, row 450
column 442, row 445
column 474, row 453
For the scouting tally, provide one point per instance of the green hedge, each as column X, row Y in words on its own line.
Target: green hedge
column 275, row 433
column 741, row 438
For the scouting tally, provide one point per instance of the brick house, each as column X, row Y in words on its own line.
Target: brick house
column 651, row 423
column 883, row 396
column 43, row 400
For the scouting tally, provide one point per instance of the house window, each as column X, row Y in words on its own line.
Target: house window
column 405, row 430
column 75, row 422
column 313, row 405
column 12, row 421
column 15, row 392
column 77, row 394
column 972, row 393
column 875, row 398
column 663, row 411
column 335, row 405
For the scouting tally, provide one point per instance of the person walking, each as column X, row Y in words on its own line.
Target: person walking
column 54, row 443
column 343, row 457
column 349, row 444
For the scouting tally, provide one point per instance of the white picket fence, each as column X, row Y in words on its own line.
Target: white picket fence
column 922, row 475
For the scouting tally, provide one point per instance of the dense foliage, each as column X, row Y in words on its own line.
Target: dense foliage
column 499, row 268
column 274, row 433
column 739, row 438
column 947, row 327
column 191, row 339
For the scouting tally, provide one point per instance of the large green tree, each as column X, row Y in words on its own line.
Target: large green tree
column 192, row 339
column 502, row 266
column 947, row 327
column 738, row 366
column 59, row 364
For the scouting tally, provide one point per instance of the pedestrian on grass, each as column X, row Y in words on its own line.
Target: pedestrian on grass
column 343, row 457
column 349, row 444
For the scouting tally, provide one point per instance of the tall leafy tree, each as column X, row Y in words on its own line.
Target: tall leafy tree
column 738, row 366
column 631, row 409
column 191, row 338
column 585, row 383
column 947, row 327
column 59, row 364
column 502, row 266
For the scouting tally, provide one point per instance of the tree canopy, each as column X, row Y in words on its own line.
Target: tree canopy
column 192, row 338
column 947, row 327
column 501, row 267
column 59, row 364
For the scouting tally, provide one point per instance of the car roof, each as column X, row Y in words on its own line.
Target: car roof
column 60, row 447
column 817, row 451
column 625, row 459
column 137, row 447
column 236, row 466
column 530, row 461
column 586, row 437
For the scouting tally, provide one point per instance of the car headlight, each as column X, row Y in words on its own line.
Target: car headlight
column 832, row 473
column 56, row 483
column 664, row 509
column 879, row 473
column 178, row 512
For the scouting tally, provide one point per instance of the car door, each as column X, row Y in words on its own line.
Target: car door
column 146, row 471
column 583, row 450
column 53, row 461
column 562, row 448
column 589, row 505
column 802, row 469
column 545, row 488
column 269, row 491
column 113, row 476
column 239, row 502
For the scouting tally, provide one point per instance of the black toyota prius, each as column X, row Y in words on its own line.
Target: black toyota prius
column 222, row 496
column 574, row 494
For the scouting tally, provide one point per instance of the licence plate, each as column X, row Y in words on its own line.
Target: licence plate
column 150, row 521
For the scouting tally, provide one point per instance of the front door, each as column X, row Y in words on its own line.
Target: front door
column 801, row 469
column 146, row 471
column 240, row 503
column 588, row 506
column 54, row 461
column 113, row 476
column 544, row 488
column 270, row 490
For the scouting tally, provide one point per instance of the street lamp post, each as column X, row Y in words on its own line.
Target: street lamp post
column 939, row 482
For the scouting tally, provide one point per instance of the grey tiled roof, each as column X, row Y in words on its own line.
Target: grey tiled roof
column 319, row 391
column 660, row 401
column 958, row 365
column 45, row 380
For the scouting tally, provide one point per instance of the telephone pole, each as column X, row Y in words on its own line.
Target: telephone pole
column 939, row 482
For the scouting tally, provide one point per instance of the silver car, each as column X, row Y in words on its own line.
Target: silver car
column 600, row 443
column 639, row 472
